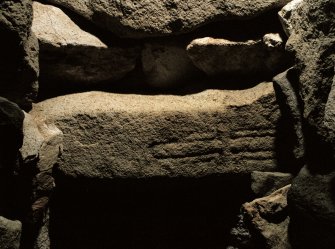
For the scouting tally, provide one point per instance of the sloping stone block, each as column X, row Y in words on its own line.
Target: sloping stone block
column 71, row 54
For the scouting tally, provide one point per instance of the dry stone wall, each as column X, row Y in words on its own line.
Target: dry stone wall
column 143, row 119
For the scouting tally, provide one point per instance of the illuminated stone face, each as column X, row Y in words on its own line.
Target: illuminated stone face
column 217, row 131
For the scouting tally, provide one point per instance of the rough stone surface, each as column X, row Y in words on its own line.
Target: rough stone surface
column 286, row 13
column 311, row 198
column 113, row 135
column 224, row 57
column 265, row 183
column 241, row 237
column 43, row 238
column 43, row 184
column 312, row 41
column 71, row 54
column 269, row 218
column 10, row 233
column 19, row 53
column 166, row 64
column 51, row 148
column 312, row 207
column 42, row 143
column 286, row 85
column 157, row 18
column 32, row 140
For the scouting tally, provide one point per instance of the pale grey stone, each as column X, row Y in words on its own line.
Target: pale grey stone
column 286, row 13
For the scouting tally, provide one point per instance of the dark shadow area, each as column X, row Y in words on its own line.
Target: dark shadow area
column 319, row 153
column 311, row 236
column 146, row 213
column 135, row 84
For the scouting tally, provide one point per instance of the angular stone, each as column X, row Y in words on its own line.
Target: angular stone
column 115, row 135
column 10, row 233
column 138, row 19
column 32, row 140
column 52, row 146
column 312, row 210
column 42, row 143
column 286, row 85
column 312, row 41
column 44, row 184
column 269, row 218
column 19, row 67
column 223, row 57
column 265, row 183
column 166, row 64
column 70, row 54
column 286, row 13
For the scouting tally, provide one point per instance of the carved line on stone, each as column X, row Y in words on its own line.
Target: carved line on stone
column 196, row 148
column 253, row 133
column 255, row 155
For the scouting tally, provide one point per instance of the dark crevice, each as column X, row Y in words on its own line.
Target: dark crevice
column 146, row 213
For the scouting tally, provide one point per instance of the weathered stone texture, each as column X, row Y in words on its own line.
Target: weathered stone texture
column 110, row 135
column 70, row 54
column 19, row 53
column 42, row 143
column 157, row 18
column 269, row 218
column 287, row 85
column 285, row 15
column 259, row 58
column 312, row 41
column 311, row 198
column 312, row 210
column 10, row 233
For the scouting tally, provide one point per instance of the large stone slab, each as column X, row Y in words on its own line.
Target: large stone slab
column 110, row 135
column 262, row 57
column 163, row 17
column 19, row 67
column 68, row 53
